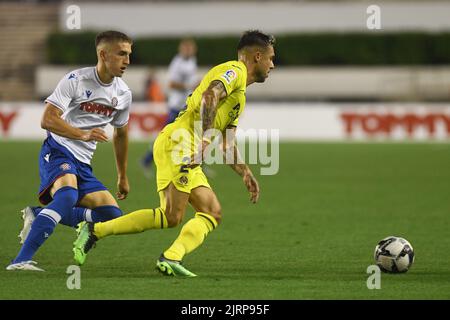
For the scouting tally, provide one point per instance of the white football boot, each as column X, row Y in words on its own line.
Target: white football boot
column 28, row 218
column 24, row 266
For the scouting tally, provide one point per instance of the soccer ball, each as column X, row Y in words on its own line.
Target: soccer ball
column 394, row 255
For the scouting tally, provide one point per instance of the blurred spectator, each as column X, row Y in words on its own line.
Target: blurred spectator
column 153, row 90
column 182, row 80
column 182, row 76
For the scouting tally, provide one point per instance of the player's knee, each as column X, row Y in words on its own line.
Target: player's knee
column 66, row 197
column 217, row 214
column 214, row 210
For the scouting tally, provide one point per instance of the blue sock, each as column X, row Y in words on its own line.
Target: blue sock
column 104, row 213
column 63, row 201
column 99, row 214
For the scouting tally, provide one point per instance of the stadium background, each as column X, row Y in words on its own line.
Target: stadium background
column 364, row 121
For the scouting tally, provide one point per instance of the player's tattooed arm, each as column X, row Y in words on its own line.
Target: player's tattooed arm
column 208, row 109
column 210, row 99
column 234, row 160
column 52, row 121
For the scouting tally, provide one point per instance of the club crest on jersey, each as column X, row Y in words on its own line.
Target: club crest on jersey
column 114, row 102
column 229, row 76
column 88, row 93
column 65, row 166
column 183, row 180
column 72, row 76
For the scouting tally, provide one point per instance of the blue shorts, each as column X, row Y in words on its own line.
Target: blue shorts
column 56, row 161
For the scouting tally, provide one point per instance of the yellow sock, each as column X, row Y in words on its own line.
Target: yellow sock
column 134, row 222
column 191, row 236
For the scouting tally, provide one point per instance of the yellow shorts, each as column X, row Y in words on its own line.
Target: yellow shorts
column 167, row 171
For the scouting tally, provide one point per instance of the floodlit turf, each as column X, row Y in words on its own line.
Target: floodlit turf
column 311, row 236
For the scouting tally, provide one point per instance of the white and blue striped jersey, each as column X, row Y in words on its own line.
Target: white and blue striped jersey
column 88, row 103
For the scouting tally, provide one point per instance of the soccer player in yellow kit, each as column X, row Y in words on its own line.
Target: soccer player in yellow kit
column 216, row 103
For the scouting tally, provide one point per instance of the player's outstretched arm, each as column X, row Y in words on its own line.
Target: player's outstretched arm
column 52, row 121
column 234, row 160
column 120, row 142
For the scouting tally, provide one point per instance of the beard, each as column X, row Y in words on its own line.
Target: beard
column 260, row 76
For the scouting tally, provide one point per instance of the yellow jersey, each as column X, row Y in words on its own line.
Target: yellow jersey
column 233, row 75
column 179, row 140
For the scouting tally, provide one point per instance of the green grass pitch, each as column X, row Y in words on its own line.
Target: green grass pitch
column 311, row 236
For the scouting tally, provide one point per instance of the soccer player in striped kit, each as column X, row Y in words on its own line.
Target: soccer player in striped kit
column 75, row 115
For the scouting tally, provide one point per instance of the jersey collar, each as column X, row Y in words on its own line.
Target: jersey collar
column 100, row 81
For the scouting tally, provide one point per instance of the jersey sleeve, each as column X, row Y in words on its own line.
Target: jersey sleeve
column 122, row 116
column 231, row 78
column 64, row 92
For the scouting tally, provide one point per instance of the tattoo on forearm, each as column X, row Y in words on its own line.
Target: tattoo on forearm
column 211, row 98
column 208, row 115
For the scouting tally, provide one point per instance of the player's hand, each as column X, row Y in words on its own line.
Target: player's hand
column 95, row 134
column 123, row 188
column 252, row 186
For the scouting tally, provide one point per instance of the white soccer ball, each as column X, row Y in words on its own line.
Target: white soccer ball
column 394, row 255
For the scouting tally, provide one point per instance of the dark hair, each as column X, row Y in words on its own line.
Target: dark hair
column 110, row 36
column 255, row 38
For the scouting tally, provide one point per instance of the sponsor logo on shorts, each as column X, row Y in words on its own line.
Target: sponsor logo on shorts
column 183, row 180
column 65, row 166
column 229, row 76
